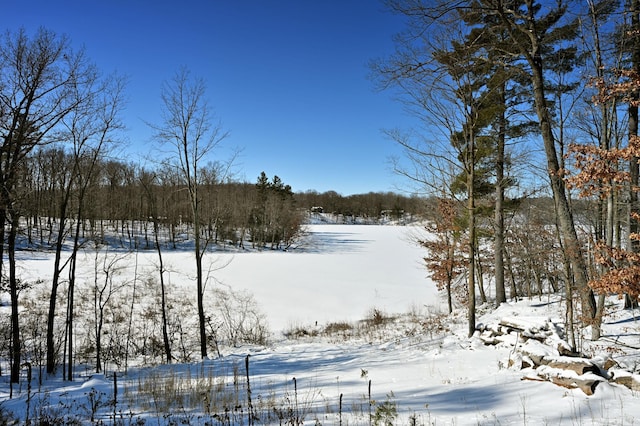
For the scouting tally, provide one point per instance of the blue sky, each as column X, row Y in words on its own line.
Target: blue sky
column 287, row 78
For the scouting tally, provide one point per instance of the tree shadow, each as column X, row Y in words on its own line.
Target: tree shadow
column 326, row 242
column 623, row 321
column 464, row 399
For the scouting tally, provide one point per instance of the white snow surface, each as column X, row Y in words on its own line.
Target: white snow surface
column 341, row 273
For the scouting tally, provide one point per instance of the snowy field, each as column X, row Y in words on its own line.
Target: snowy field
column 339, row 273
column 416, row 369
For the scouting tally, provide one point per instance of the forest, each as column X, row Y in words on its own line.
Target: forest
column 524, row 167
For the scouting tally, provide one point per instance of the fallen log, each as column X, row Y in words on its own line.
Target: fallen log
column 527, row 328
column 587, row 383
column 627, row 379
column 588, row 386
column 538, row 352
column 532, row 325
column 578, row 365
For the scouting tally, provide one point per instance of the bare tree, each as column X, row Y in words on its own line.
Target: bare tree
column 87, row 134
column 90, row 131
column 106, row 268
column 148, row 182
column 187, row 127
column 36, row 77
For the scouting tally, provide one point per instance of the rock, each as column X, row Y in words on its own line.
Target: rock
column 624, row 378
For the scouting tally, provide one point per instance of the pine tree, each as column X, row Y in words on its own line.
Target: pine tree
column 543, row 38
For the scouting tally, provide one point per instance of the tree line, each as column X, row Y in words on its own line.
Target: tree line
column 123, row 200
column 511, row 94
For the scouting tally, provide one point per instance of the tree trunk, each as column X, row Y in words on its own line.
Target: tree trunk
column 530, row 49
column 501, row 296
column 99, row 325
column 70, row 302
column 450, row 257
column 71, row 291
column 566, row 223
column 513, row 290
column 634, row 170
column 13, row 289
column 98, row 312
column 200, row 289
column 480, row 278
column 471, row 207
column 51, row 361
column 163, row 293
column 200, row 279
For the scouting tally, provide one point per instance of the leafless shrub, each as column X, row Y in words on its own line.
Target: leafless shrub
column 341, row 327
column 239, row 319
column 299, row 332
column 376, row 318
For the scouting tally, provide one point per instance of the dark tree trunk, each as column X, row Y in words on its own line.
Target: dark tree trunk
column 51, row 358
column 163, row 294
column 471, row 207
column 634, row 170
column 566, row 223
column 13, row 289
column 501, row 296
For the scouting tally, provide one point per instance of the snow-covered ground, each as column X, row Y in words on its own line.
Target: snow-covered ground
column 418, row 366
column 340, row 272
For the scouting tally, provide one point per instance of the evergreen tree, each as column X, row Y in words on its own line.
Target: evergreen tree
column 544, row 39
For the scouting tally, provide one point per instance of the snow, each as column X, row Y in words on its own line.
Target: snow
column 340, row 273
column 433, row 372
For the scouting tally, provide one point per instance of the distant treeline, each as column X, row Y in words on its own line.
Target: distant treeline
column 372, row 205
column 131, row 199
